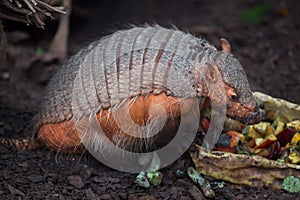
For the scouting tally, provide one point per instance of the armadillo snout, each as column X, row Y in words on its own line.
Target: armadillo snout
column 255, row 116
column 250, row 117
column 244, row 114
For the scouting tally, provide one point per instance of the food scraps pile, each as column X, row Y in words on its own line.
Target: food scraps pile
column 267, row 153
column 276, row 137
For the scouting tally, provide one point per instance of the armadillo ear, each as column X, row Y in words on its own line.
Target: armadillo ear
column 225, row 45
column 211, row 72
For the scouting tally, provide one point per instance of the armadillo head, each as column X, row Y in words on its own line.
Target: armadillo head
column 241, row 104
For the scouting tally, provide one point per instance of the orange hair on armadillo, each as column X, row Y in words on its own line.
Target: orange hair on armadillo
column 63, row 136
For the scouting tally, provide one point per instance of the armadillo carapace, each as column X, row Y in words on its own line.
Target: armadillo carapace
column 139, row 67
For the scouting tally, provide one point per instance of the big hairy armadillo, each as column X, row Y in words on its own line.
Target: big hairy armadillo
column 141, row 66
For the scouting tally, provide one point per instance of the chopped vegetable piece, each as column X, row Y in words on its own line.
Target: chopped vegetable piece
column 252, row 133
column 195, row 176
column 204, row 185
column 270, row 130
column 258, row 141
column 291, row 184
column 294, row 158
column 155, row 178
column 285, row 136
column 266, row 142
column 236, row 137
column 142, row 180
column 295, row 140
column 278, row 119
column 274, row 150
column 264, row 128
column 280, row 127
column 294, row 124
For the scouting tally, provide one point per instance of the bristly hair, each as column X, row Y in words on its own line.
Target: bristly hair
column 93, row 135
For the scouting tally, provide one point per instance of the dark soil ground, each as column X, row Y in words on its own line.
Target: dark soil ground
column 267, row 44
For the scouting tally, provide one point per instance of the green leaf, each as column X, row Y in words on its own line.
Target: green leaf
column 291, row 184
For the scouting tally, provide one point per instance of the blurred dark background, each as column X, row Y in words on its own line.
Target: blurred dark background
column 264, row 36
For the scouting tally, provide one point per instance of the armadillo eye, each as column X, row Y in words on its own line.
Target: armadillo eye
column 234, row 97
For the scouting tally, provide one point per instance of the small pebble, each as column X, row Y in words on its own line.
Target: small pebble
column 35, row 178
column 76, row 181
